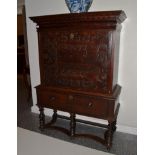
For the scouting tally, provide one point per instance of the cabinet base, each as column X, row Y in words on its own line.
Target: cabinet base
column 106, row 140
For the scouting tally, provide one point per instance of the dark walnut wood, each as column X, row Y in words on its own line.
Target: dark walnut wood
column 42, row 118
column 78, row 56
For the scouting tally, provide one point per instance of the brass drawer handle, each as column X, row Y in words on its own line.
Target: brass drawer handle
column 71, row 97
column 51, row 98
column 90, row 104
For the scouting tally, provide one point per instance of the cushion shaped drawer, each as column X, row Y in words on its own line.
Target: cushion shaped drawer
column 58, row 101
column 91, row 106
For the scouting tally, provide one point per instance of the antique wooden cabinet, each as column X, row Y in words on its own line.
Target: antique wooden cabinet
column 78, row 55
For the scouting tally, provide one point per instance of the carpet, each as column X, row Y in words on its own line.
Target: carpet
column 32, row 143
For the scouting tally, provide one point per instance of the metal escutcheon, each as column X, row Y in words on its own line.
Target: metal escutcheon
column 52, row 98
column 70, row 97
column 71, row 35
column 90, row 104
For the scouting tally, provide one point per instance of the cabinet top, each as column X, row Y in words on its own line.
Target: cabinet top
column 117, row 16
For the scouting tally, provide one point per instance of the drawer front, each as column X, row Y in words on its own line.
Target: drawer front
column 91, row 106
column 59, row 101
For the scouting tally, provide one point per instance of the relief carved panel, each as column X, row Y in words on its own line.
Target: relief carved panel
column 75, row 59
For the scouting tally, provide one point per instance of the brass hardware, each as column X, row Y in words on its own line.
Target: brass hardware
column 90, row 104
column 52, row 98
column 71, row 36
column 70, row 97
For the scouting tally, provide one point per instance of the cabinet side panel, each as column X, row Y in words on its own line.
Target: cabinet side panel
column 40, row 54
column 116, row 44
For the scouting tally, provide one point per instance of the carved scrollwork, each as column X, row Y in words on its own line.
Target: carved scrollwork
column 75, row 59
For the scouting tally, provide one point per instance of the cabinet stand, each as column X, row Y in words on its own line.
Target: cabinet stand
column 106, row 141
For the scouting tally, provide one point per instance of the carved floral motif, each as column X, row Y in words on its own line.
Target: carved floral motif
column 75, row 59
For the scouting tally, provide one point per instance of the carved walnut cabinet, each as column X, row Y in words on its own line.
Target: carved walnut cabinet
column 78, row 56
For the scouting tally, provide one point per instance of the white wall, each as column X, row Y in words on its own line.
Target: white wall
column 127, row 119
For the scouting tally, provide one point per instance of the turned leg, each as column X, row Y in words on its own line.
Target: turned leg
column 41, row 118
column 54, row 117
column 108, row 135
column 72, row 124
column 114, row 126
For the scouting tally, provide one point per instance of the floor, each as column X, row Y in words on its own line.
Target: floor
column 123, row 144
column 28, row 141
